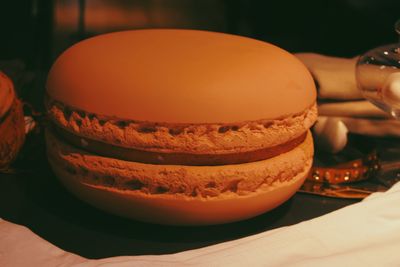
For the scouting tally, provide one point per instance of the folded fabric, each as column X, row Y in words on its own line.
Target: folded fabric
column 21, row 247
column 363, row 234
column 372, row 127
column 330, row 132
column 341, row 108
column 355, row 109
column 361, row 117
column 335, row 77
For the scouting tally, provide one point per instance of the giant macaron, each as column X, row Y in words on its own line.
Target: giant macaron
column 180, row 127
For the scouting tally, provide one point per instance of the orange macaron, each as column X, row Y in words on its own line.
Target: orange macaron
column 180, row 127
column 12, row 125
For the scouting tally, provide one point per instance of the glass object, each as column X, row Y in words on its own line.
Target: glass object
column 378, row 76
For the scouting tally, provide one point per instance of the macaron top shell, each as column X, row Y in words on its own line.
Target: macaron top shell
column 181, row 76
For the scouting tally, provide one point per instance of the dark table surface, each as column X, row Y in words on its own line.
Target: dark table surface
column 34, row 198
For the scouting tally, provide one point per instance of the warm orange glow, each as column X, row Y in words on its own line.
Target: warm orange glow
column 66, row 15
column 102, row 16
column 105, row 16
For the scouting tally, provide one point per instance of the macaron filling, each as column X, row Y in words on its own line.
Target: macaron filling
column 70, row 124
column 190, row 181
column 191, row 159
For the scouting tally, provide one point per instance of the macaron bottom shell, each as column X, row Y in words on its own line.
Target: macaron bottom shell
column 178, row 208
column 181, row 210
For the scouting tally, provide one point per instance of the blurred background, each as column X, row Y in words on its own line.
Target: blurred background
column 36, row 31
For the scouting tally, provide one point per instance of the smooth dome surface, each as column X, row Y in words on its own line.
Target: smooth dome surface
column 181, row 76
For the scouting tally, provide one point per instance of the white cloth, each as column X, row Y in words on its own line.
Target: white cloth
column 21, row 247
column 363, row 234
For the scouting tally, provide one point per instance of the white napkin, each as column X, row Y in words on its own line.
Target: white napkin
column 363, row 234
column 21, row 247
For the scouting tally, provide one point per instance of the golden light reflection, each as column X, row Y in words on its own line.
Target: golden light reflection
column 102, row 16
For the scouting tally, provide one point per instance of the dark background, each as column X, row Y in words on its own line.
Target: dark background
column 30, row 30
